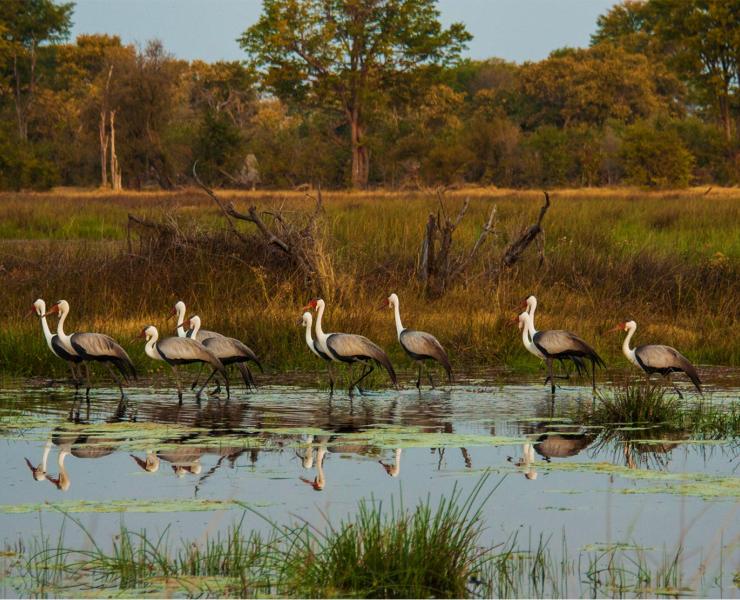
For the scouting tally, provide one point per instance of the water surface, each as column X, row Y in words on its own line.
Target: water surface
column 291, row 453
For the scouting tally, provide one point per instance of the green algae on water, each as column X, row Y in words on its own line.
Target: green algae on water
column 119, row 506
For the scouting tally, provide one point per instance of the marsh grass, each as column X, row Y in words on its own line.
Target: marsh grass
column 433, row 550
column 606, row 259
column 635, row 404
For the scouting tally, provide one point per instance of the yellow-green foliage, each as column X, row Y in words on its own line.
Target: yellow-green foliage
column 669, row 260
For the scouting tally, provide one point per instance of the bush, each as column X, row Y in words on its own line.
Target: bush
column 654, row 157
column 23, row 166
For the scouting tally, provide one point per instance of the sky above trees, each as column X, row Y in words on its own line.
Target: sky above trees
column 516, row 30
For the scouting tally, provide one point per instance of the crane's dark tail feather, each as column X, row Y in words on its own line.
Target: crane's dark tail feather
column 382, row 359
column 246, row 375
column 579, row 364
column 597, row 360
column 126, row 368
column 694, row 376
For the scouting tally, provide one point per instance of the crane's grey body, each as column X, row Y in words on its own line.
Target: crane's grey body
column 99, row 347
column 421, row 346
column 560, row 344
column 351, row 348
column 176, row 351
column 231, row 351
column 656, row 358
column 664, row 360
column 204, row 334
column 185, row 351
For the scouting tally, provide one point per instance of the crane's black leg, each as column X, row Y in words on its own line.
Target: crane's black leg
column 197, row 377
column 418, row 379
column 351, row 379
column 88, row 384
column 200, row 391
column 670, row 380
column 549, row 371
column 75, row 378
column 365, row 373
column 593, row 374
column 330, row 370
column 178, row 383
column 429, row 374
column 116, row 379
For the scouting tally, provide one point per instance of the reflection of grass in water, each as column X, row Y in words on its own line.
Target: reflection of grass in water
column 642, row 423
column 383, row 551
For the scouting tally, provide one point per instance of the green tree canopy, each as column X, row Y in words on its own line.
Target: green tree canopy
column 24, row 26
column 346, row 54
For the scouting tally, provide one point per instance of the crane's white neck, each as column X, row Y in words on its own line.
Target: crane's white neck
column 309, row 337
column 47, row 333
column 149, row 347
column 629, row 352
column 180, row 308
column 194, row 328
column 65, row 339
column 531, row 308
column 320, row 335
column 397, row 311
column 528, row 327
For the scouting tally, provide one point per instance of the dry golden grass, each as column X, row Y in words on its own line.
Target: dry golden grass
column 669, row 260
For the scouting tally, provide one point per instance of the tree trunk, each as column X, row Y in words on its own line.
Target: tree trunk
column 103, row 133
column 19, row 112
column 103, row 150
column 115, row 169
column 360, row 156
column 724, row 111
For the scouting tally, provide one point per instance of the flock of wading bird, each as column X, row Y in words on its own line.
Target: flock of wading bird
column 195, row 345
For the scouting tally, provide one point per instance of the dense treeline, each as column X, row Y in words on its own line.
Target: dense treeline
column 373, row 92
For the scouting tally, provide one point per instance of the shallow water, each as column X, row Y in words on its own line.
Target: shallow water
column 291, row 453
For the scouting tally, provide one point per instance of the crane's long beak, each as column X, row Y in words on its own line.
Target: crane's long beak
column 54, row 309
column 32, row 312
column 619, row 327
column 307, row 307
column 299, row 321
column 384, row 304
column 515, row 319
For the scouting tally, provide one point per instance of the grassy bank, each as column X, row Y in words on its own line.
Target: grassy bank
column 669, row 260
column 382, row 552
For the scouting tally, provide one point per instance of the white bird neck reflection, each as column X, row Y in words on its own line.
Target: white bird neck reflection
column 39, row 472
column 393, row 470
column 319, row 481
column 62, row 480
column 526, row 462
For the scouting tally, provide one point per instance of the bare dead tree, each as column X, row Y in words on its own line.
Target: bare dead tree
column 438, row 266
column 515, row 250
column 297, row 240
